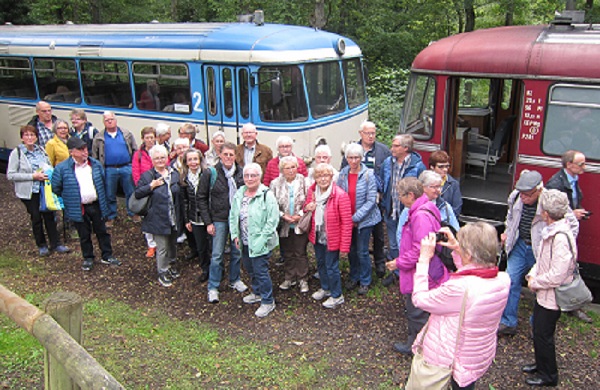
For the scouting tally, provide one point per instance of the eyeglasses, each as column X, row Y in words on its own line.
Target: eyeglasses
column 290, row 168
column 396, row 145
column 251, row 175
column 443, row 166
column 529, row 194
column 285, row 146
column 438, row 187
column 49, row 110
column 369, row 133
column 579, row 164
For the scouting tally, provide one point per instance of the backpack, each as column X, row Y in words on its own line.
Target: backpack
column 445, row 254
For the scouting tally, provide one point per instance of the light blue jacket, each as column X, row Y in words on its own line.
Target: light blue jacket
column 367, row 214
column 263, row 218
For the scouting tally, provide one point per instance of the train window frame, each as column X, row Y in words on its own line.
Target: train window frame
column 419, row 123
column 172, row 80
column 58, row 87
column 281, row 94
column 114, row 93
column 325, row 89
column 356, row 93
column 244, row 93
column 9, row 66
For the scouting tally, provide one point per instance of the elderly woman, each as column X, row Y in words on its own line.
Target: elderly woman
column 163, row 135
column 467, row 307
column 553, row 268
column 212, row 155
column 253, row 223
column 361, row 185
column 290, row 191
column 284, row 148
column 330, row 232
column 322, row 156
column 161, row 184
column 27, row 166
column 439, row 162
column 140, row 163
column 56, row 148
column 180, row 146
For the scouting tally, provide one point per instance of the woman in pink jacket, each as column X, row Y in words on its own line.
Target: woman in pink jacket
column 554, row 267
column 468, row 349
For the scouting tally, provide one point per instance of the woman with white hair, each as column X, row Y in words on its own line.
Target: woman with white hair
column 165, row 213
column 361, row 185
column 322, row 156
column 284, row 148
column 554, row 267
column 216, row 143
column 163, row 135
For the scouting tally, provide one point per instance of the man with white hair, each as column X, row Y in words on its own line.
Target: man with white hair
column 251, row 150
column 163, row 135
column 284, row 149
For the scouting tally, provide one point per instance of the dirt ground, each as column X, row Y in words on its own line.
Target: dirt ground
column 356, row 337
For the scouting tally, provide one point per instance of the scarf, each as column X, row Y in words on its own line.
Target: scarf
column 230, row 181
column 321, row 199
column 194, row 179
column 486, row 273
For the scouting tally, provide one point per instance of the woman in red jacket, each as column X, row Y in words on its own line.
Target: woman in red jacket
column 330, row 232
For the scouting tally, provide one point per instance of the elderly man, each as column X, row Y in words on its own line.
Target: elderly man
column 251, row 150
column 567, row 180
column 375, row 155
column 284, row 148
column 188, row 130
column 113, row 147
column 43, row 121
column 80, row 181
column 521, row 240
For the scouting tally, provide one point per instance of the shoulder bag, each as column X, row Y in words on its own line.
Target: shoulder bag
column 304, row 223
column 138, row 206
column 572, row 296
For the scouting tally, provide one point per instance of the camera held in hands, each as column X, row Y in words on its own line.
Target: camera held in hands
column 441, row 237
column 587, row 215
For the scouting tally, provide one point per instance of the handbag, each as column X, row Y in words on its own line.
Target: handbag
column 572, row 296
column 427, row 376
column 304, row 223
column 49, row 201
column 138, row 206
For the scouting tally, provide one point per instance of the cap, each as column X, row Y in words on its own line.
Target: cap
column 528, row 180
column 75, row 143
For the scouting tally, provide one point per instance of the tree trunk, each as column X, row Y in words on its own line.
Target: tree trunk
column 318, row 19
column 469, row 16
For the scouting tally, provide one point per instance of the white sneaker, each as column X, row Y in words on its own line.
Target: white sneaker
column 251, row 298
column 239, row 286
column 320, row 294
column 181, row 239
column 303, row 286
column 286, row 284
column 264, row 309
column 333, row 302
column 213, row 296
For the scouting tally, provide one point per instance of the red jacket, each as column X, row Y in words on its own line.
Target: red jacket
column 338, row 219
column 272, row 171
column 140, row 163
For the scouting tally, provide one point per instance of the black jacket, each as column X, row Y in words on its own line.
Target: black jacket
column 214, row 203
column 157, row 220
column 191, row 203
column 560, row 182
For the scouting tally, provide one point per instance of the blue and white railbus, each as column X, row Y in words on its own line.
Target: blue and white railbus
column 292, row 80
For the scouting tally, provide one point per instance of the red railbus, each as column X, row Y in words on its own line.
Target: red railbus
column 505, row 99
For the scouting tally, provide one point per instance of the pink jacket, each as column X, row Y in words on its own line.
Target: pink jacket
column 554, row 265
column 477, row 343
column 272, row 171
column 420, row 223
column 338, row 219
column 140, row 164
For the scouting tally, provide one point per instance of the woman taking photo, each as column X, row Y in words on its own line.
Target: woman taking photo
column 464, row 311
column 56, row 148
column 553, row 268
column 253, row 223
column 161, row 184
column 27, row 164
column 330, row 232
column 361, row 185
column 290, row 191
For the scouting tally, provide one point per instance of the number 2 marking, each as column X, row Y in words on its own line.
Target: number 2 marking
column 197, row 105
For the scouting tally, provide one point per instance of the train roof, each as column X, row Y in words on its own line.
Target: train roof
column 542, row 51
column 222, row 42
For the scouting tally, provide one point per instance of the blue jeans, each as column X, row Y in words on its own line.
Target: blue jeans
column 216, row 261
column 392, row 228
column 258, row 269
column 360, row 261
column 328, row 265
column 114, row 176
column 520, row 261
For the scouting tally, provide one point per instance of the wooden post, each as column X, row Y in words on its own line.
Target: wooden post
column 66, row 308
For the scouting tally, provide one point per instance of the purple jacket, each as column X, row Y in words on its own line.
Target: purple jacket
column 420, row 223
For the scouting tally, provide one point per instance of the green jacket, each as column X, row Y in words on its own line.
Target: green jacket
column 262, row 222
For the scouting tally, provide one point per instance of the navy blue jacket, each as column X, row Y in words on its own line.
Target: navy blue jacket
column 65, row 184
column 560, row 181
column 157, row 221
column 451, row 194
column 414, row 169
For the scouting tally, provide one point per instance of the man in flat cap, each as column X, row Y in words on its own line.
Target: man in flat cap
column 80, row 181
column 521, row 239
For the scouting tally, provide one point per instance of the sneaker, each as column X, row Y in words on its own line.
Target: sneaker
column 286, row 284
column 44, row 251
column 181, row 239
column 320, row 294
column 136, row 219
column 203, row 277
column 363, row 290
column 332, row 302
column 174, row 273
column 87, row 264
column 505, row 330
column 403, row 348
column 389, row 280
column 303, row 286
column 111, row 261
column 109, row 224
column 316, row 275
column 165, row 279
column 151, row 252
column 251, row 298
column 264, row 309
column 280, row 261
column 239, row 286
column 62, row 249
column 351, row 284
column 213, row 296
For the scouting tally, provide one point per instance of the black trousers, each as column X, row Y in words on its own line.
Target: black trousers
column 544, row 326
column 39, row 220
column 416, row 317
column 455, row 386
column 92, row 219
column 379, row 256
column 202, row 241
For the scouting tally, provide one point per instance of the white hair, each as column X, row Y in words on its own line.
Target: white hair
column 218, row 133
column 181, row 141
column 354, row 150
column 157, row 150
column 323, row 149
column 429, row 178
column 162, row 129
column 252, row 167
column 284, row 139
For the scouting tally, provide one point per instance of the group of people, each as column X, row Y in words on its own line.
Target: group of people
column 245, row 201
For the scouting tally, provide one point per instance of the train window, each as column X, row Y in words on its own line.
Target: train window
column 57, row 80
column 244, row 93
column 324, row 86
column 572, row 119
column 16, row 78
column 506, row 94
column 354, row 81
column 211, row 86
column 106, row 83
column 227, row 92
column 474, row 93
column 281, row 94
column 418, row 107
column 162, row 86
